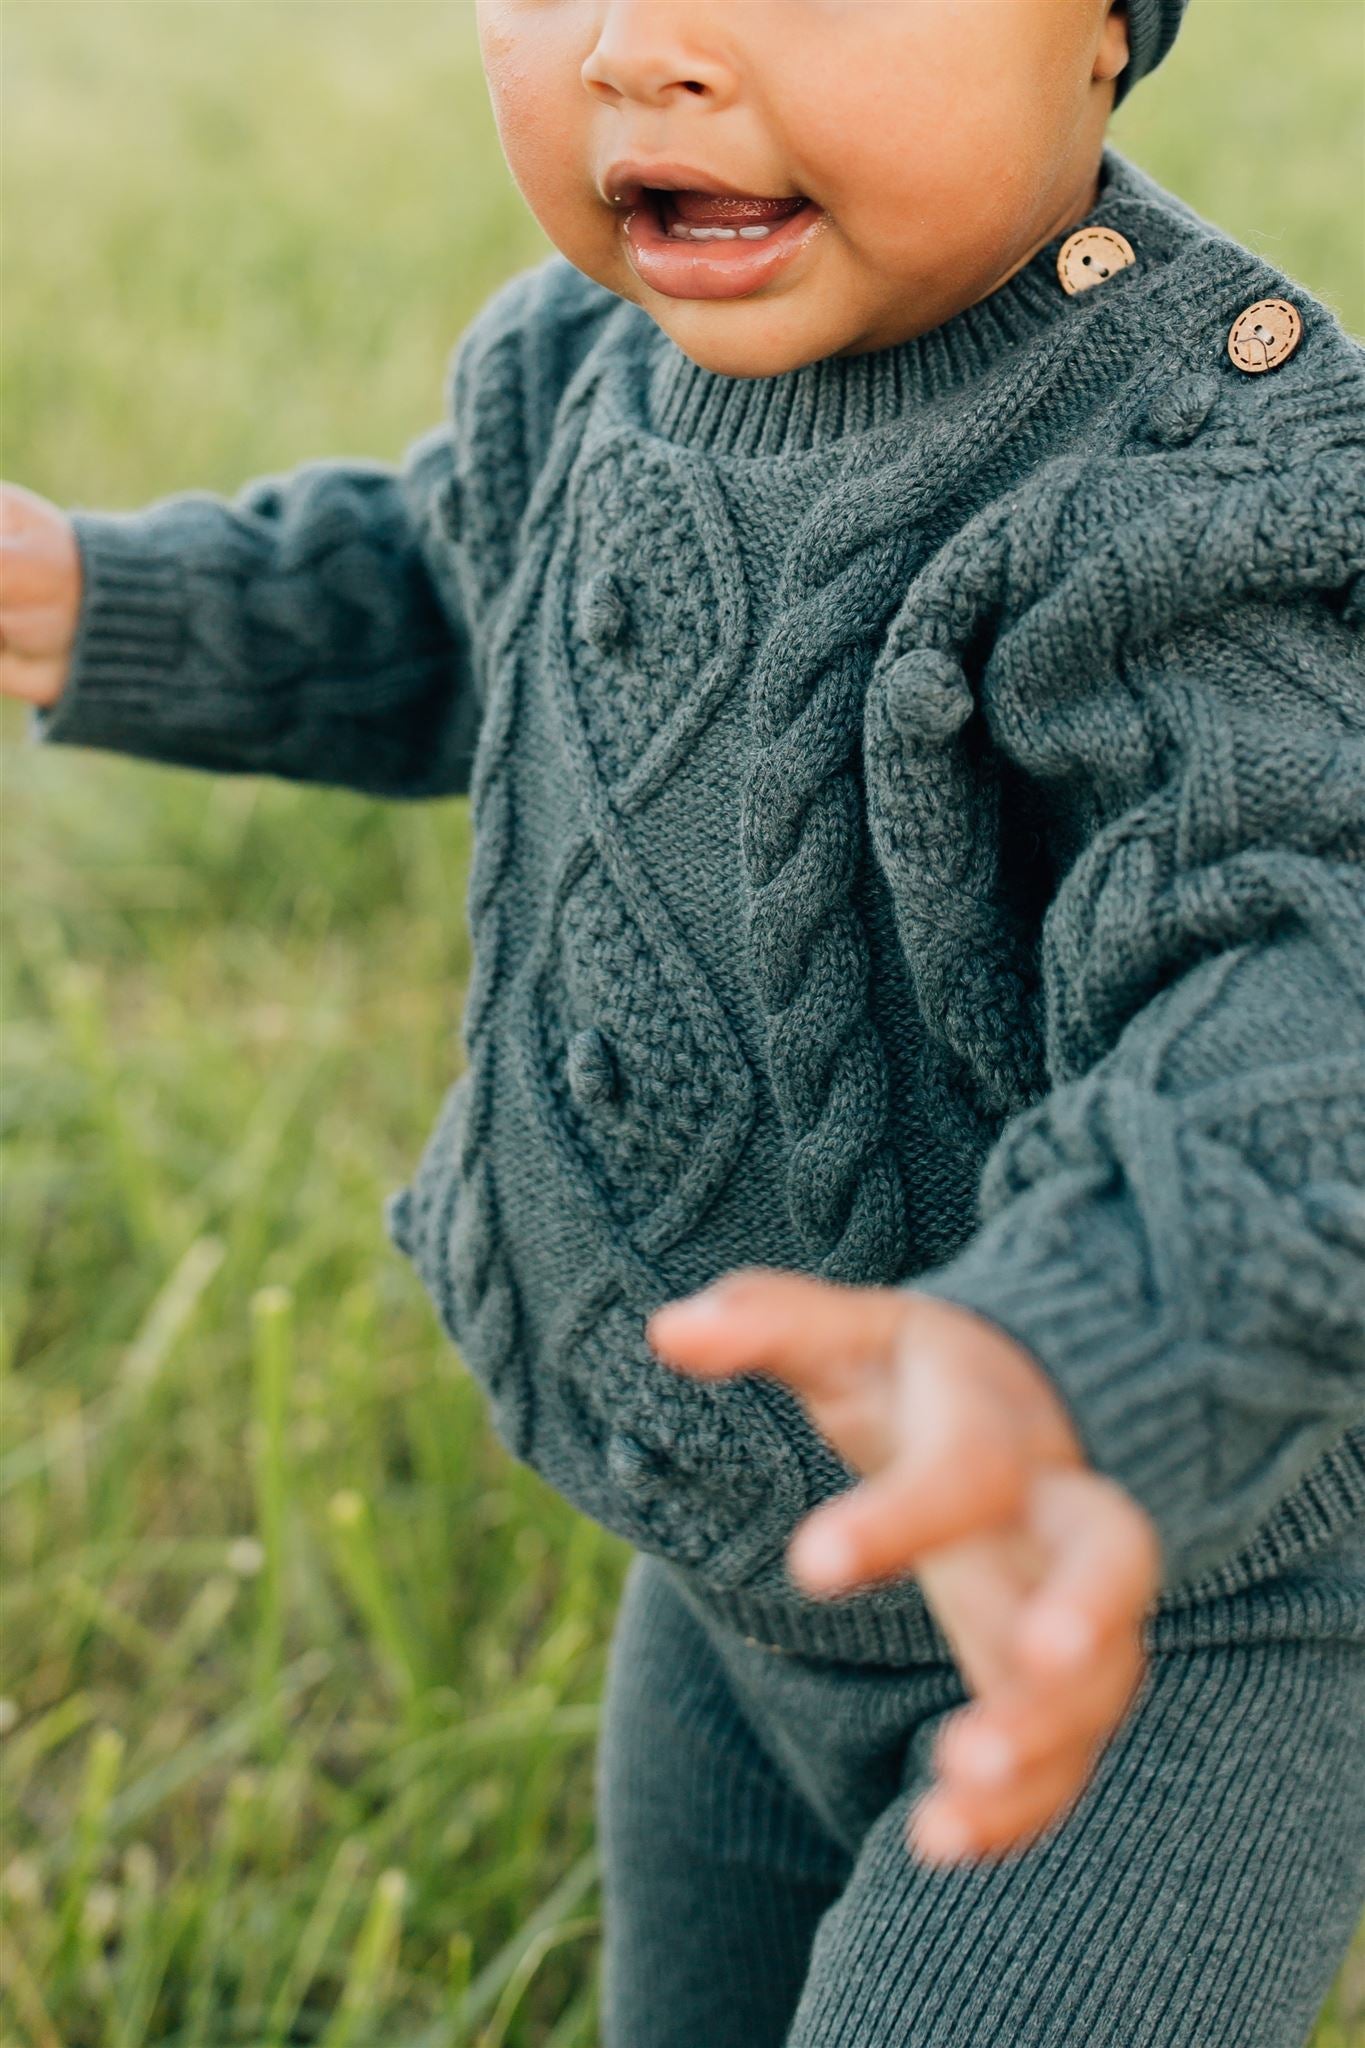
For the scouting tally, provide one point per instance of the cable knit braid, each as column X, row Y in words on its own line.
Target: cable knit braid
column 472, row 1246
column 803, row 839
column 453, row 1227
column 936, row 822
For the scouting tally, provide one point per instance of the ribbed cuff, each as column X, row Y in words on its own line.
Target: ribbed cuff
column 130, row 636
column 1135, row 1384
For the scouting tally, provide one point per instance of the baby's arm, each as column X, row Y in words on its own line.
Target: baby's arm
column 322, row 625
column 309, row 627
column 1178, row 1229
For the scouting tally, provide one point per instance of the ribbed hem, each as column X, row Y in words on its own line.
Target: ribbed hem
column 893, row 1624
column 130, row 636
column 836, row 396
column 1329, row 1498
column 883, row 1625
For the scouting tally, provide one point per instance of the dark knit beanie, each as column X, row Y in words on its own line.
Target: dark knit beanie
column 1152, row 27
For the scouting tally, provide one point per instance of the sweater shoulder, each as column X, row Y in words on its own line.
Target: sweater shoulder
column 1200, row 516
column 1191, row 488
column 1168, row 349
column 506, row 379
column 1309, row 407
column 1154, row 484
column 530, row 334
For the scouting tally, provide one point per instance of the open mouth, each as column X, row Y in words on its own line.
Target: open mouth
column 695, row 245
column 704, row 216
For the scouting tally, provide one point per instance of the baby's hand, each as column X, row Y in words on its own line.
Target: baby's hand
column 1038, row 1569
column 40, row 595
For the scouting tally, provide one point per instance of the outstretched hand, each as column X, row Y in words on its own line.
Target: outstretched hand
column 1038, row 1569
column 40, row 595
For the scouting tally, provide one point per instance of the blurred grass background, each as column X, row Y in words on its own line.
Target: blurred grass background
column 300, row 1672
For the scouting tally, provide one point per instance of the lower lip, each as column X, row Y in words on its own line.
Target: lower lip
column 714, row 270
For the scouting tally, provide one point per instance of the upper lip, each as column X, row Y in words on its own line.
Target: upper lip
column 626, row 181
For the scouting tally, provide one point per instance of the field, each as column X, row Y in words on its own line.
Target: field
column 300, row 1672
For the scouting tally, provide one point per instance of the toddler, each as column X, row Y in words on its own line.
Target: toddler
column 891, row 584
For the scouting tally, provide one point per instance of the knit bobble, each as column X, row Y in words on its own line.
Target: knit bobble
column 603, row 612
column 1179, row 410
column 927, row 695
column 450, row 507
column 592, row 1071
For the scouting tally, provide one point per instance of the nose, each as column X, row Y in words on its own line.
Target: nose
column 652, row 51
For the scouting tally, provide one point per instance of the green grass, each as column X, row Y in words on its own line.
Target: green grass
column 300, row 1671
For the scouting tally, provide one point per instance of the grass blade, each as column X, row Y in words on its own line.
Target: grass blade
column 372, row 1964
column 272, row 1351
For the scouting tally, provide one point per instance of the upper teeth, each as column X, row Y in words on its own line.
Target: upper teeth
column 684, row 233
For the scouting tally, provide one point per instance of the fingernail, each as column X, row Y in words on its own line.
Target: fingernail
column 701, row 1307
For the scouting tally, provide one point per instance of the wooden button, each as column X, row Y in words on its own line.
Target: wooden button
column 1264, row 336
column 1090, row 255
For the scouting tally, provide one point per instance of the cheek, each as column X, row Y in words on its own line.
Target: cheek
column 952, row 149
column 541, row 112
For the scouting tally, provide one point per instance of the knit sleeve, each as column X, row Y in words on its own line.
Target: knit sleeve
column 323, row 624
column 1176, row 1230
column 305, row 628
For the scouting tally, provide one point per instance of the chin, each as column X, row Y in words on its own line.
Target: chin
column 737, row 338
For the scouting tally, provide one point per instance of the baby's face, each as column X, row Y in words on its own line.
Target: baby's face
column 936, row 144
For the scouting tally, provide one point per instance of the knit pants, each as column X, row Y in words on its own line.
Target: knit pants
column 1202, row 1892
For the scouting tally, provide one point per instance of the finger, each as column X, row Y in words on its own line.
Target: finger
column 26, row 571
column 29, row 680
column 973, row 1589
column 928, row 1509
column 805, row 1331
column 1103, row 1576
column 951, row 1826
column 992, row 1743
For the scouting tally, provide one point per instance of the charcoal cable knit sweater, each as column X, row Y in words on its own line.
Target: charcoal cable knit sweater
column 919, row 814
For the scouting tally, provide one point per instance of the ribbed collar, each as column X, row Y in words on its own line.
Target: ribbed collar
column 837, row 396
